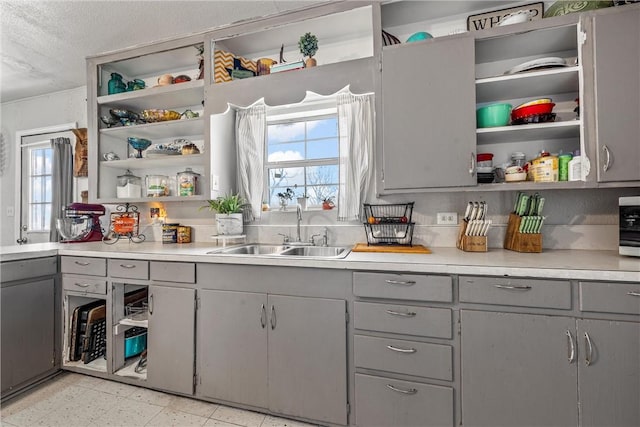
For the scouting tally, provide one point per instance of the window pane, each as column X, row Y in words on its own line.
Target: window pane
column 285, row 132
column 322, row 128
column 48, row 193
column 36, row 190
column 285, row 152
column 327, row 174
column 318, row 193
column 46, row 216
column 48, row 160
column 35, row 217
column 322, row 149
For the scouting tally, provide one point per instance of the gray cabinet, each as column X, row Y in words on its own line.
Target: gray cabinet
column 287, row 354
column 518, row 370
column 428, row 105
column 28, row 299
column 608, row 373
column 616, row 43
column 171, row 338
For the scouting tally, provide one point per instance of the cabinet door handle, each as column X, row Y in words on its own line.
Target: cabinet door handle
column 273, row 317
column 401, row 282
column 633, row 294
column 263, row 316
column 472, row 164
column 402, row 350
column 82, row 285
column 514, row 287
column 607, row 162
column 572, row 347
column 127, row 266
column 400, row 390
column 401, row 314
column 150, row 304
column 588, row 359
column 83, row 264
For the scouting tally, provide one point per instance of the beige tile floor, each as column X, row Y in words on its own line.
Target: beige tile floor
column 79, row 400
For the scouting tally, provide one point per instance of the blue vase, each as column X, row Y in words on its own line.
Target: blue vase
column 116, row 85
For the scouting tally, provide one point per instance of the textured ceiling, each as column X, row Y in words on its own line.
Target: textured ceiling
column 44, row 43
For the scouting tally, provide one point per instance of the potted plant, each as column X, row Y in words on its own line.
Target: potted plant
column 285, row 197
column 327, row 203
column 228, row 209
column 308, row 45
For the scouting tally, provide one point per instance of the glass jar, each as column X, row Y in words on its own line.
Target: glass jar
column 188, row 183
column 129, row 186
column 157, row 185
column 518, row 159
column 116, row 85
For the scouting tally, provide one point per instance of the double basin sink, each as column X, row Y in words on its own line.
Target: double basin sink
column 256, row 249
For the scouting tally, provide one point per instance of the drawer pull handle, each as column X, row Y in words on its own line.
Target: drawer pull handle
column 588, row 359
column 572, row 347
column 402, row 350
column 633, row 294
column 399, row 390
column 82, row 285
column 127, row 266
column 514, row 287
column 83, row 264
column 401, row 314
column 401, row 282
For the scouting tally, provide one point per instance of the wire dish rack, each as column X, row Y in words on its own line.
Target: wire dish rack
column 389, row 224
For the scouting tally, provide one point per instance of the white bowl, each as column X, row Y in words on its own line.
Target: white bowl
column 515, row 177
column 484, row 169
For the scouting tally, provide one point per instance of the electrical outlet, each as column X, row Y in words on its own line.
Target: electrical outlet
column 215, row 184
column 447, row 218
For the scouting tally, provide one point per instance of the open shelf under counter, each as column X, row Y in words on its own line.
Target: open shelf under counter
column 167, row 129
column 156, row 162
column 177, row 95
column 529, row 132
column 532, row 185
column 140, row 320
column 529, row 84
column 98, row 365
column 129, row 369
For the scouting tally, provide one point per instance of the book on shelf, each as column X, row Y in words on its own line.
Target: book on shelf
column 287, row 66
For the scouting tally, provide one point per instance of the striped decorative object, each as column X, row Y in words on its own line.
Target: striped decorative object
column 223, row 64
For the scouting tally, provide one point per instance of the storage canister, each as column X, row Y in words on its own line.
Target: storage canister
column 129, row 186
column 184, row 234
column 170, row 233
column 563, row 166
column 188, row 183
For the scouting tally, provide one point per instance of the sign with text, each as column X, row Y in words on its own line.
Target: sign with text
column 492, row 19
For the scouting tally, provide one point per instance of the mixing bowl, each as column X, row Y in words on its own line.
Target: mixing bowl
column 493, row 115
column 74, row 228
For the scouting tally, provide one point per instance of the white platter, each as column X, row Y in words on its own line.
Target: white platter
column 551, row 61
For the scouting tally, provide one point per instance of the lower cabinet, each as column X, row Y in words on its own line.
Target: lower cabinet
column 287, row 354
column 523, row 370
column 28, row 322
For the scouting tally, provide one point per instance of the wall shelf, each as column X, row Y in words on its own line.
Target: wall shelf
column 529, row 132
column 168, row 129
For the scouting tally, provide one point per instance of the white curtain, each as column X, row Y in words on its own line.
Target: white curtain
column 251, row 135
column 61, row 182
column 356, row 122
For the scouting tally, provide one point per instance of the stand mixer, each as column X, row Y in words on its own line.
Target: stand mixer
column 81, row 223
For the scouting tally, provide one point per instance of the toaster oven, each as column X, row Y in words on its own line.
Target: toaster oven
column 629, row 226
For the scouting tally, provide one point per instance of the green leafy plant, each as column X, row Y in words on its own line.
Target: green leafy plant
column 287, row 195
column 227, row 204
column 308, row 45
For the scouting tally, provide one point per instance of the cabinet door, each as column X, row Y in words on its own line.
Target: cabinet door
column 610, row 385
column 171, row 336
column 617, row 95
column 232, row 347
column 308, row 358
column 28, row 323
column 516, row 370
column 428, row 114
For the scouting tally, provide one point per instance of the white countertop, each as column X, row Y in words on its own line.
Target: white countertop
column 562, row 264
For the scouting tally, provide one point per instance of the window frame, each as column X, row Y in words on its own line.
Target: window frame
column 42, row 145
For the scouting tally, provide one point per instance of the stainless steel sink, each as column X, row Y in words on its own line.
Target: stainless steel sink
column 256, row 249
column 317, row 251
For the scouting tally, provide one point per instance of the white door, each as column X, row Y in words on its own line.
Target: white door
column 34, row 190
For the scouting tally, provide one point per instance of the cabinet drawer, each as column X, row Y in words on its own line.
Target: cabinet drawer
column 403, row 286
column 404, row 357
column 128, row 269
column 86, row 284
column 181, row 272
column 403, row 319
column 610, row 297
column 387, row 402
column 84, row 265
column 516, row 291
column 28, row 269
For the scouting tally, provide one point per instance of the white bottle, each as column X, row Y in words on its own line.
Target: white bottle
column 575, row 168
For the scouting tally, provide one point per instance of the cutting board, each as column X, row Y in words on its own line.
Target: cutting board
column 398, row 249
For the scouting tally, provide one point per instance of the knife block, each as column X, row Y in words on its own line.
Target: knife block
column 470, row 243
column 521, row 242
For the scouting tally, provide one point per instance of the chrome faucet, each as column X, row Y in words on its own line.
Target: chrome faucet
column 299, row 217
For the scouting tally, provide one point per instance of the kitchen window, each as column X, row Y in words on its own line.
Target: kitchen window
column 39, row 159
column 302, row 153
